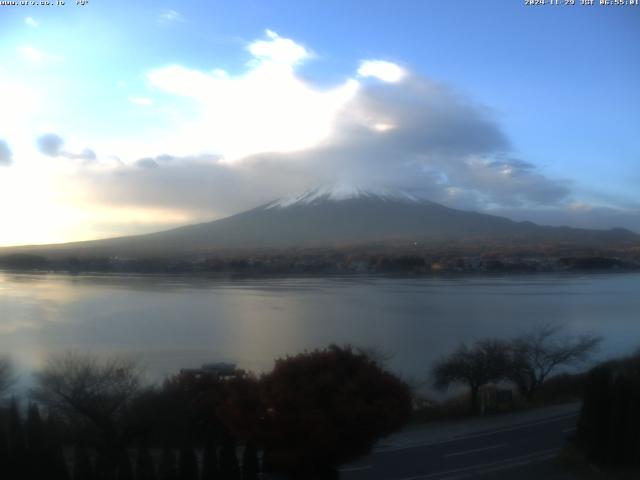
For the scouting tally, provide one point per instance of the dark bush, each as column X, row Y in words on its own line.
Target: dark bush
column 328, row 407
column 609, row 424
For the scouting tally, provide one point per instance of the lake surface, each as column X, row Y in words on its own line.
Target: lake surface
column 174, row 322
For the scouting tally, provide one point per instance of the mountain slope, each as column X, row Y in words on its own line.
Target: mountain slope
column 342, row 215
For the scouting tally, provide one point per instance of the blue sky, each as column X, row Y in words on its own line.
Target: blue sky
column 116, row 82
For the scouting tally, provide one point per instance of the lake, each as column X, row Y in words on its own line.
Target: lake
column 170, row 322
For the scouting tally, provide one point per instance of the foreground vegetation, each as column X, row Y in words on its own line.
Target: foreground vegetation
column 609, row 426
column 312, row 413
column 90, row 418
column 525, row 362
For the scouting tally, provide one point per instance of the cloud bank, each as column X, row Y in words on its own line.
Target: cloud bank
column 242, row 140
column 51, row 145
column 268, row 132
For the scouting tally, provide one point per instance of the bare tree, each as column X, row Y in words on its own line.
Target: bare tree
column 376, row 353
column 485, row 361
column 92, row 391
column 535, row 355
column 7, row 377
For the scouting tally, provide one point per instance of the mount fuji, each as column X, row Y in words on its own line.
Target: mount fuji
column 341, row 215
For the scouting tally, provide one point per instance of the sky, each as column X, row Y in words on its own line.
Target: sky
column 120, row 118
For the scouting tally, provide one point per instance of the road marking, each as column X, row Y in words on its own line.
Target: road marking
column 355, row 469
column 456, row 454
column 488, row 467
column 485, row 433
column 567, row 430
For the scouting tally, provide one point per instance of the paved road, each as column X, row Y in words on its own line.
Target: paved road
column 469, row 456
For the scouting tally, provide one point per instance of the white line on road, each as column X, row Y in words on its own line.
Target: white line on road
column 356, row 469
column 485, row 433
column 456, row 454
column 489, row 467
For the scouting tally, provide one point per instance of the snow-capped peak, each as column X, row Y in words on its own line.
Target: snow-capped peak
column 344, row 191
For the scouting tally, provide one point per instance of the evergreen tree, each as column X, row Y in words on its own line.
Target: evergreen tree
column 82, row 467
column 608, row 428
column 188, row 464
column 59, row 468
column 145, row 469
column 210, row 462
column 250, row 464
column 104, row 468
column 167, row 469
column 18, row 460
column 56, row 463
column 210, row 468
column 36, row 438
column 618, row 422
column 17, row 440
column 37, row 444
column 229, row 468
column 4, row 452
column 125, row 472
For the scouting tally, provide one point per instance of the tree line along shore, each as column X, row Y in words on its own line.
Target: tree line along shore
column 337, row 262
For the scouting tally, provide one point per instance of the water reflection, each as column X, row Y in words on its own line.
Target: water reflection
column 173, row 322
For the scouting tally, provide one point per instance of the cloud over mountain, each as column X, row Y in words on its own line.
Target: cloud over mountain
column 269, row 132
column 239, row 140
